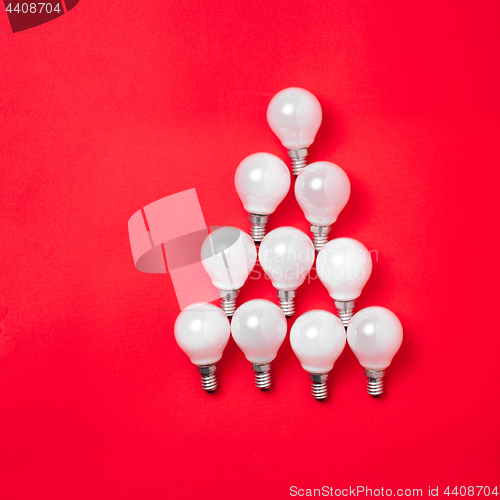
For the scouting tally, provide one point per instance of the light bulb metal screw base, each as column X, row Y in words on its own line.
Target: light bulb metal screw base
column 262, row 375
column 208, row 377
column 345, row 309
column 320, row 236
column 319, row 388
column 287, row 302
column 228, row 301
column 258, row 226
column 298, row 157
column 375, row 383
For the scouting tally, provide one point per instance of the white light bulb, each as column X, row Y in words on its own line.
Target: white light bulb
column 375, row 335
column 202, row 332
column 259, row 327
column 286, row 254
column 318, row 338
column 262, row 181
column 344, row 266
column 295, row 115
column 322, row 191
column 228, row 256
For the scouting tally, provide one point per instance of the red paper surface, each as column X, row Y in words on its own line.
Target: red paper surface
column 115, row 105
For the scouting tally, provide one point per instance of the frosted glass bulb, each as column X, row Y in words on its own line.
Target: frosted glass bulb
column 295, row 115
column 259, row 327
column 202, row 332
column 262, row 181
column 322, row 191
column 375, row 335
column 228, row 256
column 344, row 266
column 318, row 338
column 286, row 254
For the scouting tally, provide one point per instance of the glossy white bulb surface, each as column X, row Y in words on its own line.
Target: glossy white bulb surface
column 344, row 266
column 228, row 256
column 375, row 335
column 259, row 327
column 262, row 181
column 317, row 338
column 286, row 254
column 294, row 115
column 322, row 190
column 202, row 332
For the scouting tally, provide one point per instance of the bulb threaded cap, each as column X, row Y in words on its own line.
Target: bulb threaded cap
column 345, row 310
column 257, row 227
column 208, row 377
column 228, row 301
column 375, row 382
column 299, row 161
column 287, row 302
column 319, row 388
column 320, row 236
column 345, row 315
column 262, row 375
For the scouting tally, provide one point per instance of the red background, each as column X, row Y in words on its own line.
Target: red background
column 118, row 104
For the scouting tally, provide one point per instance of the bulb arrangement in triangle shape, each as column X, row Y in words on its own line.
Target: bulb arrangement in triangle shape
column 286, row 254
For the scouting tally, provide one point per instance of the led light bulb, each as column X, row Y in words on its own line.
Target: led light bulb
column 202, row 332
column 262, row 181
column 375, row 335
column 318, row 339
column 228, row 256
column 286, row 254
column 344, row 266
column 259, row 327
column 295, row 115
column 322, row 190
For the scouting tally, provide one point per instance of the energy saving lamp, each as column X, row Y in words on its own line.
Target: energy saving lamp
column 318, row 339
column 375, row 335
column 322, row 190
column 286, row 255
column 202, row 332
column 262, row 181
column 259, row 327
column 344, row 266
column 294, row 115
column 228, row 256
